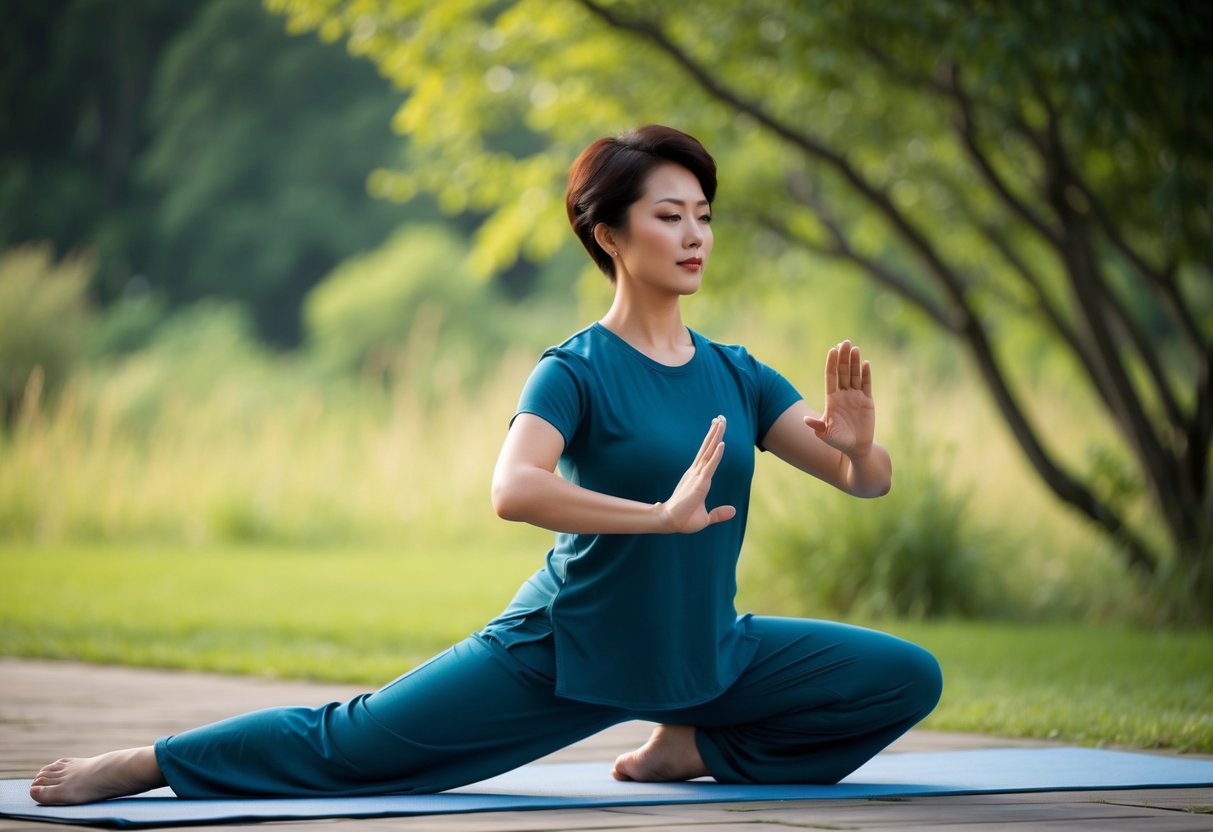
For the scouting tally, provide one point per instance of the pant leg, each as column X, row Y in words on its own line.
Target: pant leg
column 469, row 713
column 819, row 700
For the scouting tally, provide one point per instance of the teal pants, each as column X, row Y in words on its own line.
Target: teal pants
column 818, row 700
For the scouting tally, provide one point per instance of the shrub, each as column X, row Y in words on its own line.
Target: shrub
column 408, row 304
column 916, row 552
column 44, row 318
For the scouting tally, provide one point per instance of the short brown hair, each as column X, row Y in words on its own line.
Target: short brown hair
column 609, row 176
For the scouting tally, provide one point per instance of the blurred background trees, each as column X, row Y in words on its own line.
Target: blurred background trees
column 197, row 149
column 1029, row 185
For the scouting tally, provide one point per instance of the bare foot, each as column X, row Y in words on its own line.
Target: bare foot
column 669, row 755
column 86, row 779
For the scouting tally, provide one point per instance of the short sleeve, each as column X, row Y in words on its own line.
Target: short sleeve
column 555, row 392
column 775, row 395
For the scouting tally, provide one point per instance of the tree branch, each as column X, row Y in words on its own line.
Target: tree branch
column 1044, row 303
column 1160, row 466
column 969, row 327
column 1161, row 280
column 840, row 249
column 966, row 128
column 806, row 142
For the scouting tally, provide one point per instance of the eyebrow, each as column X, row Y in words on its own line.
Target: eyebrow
column 678, row 201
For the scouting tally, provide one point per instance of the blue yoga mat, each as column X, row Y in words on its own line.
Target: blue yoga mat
column 586, row 785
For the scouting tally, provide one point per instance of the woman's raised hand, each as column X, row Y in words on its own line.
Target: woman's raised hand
column 849, row 422
column 686, row 511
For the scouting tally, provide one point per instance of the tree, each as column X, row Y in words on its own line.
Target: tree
column 194, row 147
column 260, row 152
column 1047, row 163
column 73, row 84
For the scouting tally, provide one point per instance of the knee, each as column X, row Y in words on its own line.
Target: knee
column 923, row 680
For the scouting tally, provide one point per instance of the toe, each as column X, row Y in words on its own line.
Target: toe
column 42, row 794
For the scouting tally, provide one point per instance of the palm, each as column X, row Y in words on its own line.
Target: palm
column 686, row 510
column 849, row 421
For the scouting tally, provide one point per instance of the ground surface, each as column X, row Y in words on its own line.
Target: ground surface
column 53, row 709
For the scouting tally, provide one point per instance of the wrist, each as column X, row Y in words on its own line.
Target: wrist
column 858, row 454
column 660, row 520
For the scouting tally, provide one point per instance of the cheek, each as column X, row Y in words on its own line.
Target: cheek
column 655, row 236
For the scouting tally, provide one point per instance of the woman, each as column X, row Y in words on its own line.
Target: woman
column 633, row 441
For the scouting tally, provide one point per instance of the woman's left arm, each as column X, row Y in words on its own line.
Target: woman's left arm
column 839, row 445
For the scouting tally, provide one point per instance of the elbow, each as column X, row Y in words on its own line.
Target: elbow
column 884, row 487
column 874, row 479
column 871, row 489
column 506, row 500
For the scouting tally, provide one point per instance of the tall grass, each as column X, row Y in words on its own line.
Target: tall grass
column 205, row 440
column 251, row 448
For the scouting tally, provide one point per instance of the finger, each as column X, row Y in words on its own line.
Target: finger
column 709, row 467
column 856, row 369
column 715, row 437
column 844, row 365
column 708, row 440
column 832, row 371
column 721, row 514
column 818, row 426
column 866, row 383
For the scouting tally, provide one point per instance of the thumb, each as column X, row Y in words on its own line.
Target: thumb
column 720, row 514
column 818, row 426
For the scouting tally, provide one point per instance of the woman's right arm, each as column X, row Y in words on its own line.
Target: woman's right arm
column 526, row 488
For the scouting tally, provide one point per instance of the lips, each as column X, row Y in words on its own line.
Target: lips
column 691, row 262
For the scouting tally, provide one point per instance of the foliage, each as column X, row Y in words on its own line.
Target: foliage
column 259, row 152
column 73, row 88
column 415, row 290
column 44, row 318
column 366, row 614
column 127, row 324
column 195, row 147
column 1027, row 182
column 917, row 552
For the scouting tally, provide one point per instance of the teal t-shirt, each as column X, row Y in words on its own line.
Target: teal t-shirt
column 645, row 621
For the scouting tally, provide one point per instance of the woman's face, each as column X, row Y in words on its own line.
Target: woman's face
column 668, row 237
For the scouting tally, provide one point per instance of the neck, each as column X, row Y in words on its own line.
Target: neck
column 651, row 325
column 647, row 323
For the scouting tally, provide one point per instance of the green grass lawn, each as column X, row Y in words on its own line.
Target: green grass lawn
column 366, row 615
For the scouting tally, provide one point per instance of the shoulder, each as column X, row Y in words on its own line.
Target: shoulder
column 767, row 384
column 735, row 355
column 578, row 348
column 566, row 363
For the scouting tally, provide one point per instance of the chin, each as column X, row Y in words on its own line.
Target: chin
column 688, row 285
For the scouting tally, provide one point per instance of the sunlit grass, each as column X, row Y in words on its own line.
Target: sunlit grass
column 364, row 615
column 1082, row 683
column 350, row 614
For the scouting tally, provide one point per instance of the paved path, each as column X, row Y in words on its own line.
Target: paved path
column 53, row 709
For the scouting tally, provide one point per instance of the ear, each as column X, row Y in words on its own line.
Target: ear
column 605, row 237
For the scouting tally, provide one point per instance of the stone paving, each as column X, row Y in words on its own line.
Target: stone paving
column 53, row 709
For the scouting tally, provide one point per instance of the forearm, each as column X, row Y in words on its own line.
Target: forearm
column 867, row 473
column 545, row 499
